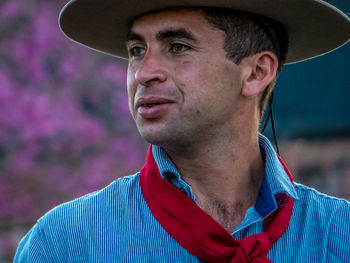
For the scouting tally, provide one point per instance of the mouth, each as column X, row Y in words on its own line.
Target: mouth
column 151, row 102
column 153, row 108
column 149, row 105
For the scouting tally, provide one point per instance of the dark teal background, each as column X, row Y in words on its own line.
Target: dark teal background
column 312, row 98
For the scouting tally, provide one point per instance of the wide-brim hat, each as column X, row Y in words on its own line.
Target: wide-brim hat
column 314, row 27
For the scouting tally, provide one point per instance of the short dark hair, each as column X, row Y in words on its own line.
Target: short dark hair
column 247, row 34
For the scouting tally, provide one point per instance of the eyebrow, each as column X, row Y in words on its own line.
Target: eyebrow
column 175, row 33
column 164, row 34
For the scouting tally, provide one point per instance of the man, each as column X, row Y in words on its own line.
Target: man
column 212, row 188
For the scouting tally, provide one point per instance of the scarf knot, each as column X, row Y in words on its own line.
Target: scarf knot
column 253, row 249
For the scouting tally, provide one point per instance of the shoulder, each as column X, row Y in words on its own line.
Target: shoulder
column 309, row 198
column 72, row 226
column 320, row 207
column 111, row 199
column 323, row 217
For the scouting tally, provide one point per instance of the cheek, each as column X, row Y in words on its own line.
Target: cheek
column 131, row 89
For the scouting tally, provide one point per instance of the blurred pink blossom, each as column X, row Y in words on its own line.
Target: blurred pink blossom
column 114, row 71
column 10, row 9
column 64, row 118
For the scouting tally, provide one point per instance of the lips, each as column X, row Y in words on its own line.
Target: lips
column 148, row 102
column 153, row 107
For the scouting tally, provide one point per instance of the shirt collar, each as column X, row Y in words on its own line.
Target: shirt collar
column 169, row 172
column 275, row 180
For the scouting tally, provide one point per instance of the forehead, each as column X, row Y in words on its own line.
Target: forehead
column 172, row 17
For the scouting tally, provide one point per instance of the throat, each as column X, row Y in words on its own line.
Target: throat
column 229, row 216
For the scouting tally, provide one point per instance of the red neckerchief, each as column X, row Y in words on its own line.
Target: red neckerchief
column 198, row 232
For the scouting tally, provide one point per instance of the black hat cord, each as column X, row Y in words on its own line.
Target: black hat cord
column 270, row 115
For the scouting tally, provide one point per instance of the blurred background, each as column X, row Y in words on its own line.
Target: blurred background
column 65, row 128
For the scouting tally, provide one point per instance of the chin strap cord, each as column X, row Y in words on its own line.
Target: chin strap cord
column 270, row 115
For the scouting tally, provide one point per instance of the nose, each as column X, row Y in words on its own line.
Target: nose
column 151, row 69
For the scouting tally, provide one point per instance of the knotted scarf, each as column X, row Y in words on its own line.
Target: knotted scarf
column 198, row 232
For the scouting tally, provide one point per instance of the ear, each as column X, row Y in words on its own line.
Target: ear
column 261, row 70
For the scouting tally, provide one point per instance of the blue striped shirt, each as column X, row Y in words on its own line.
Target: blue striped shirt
column 115, row 224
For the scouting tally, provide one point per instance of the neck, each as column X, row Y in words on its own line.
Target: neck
column 225, row 177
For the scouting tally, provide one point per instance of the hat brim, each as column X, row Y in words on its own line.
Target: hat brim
column 314, row 27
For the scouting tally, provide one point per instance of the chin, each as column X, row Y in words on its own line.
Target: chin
column 158, row 137
column 149, row 133
column 154, row 138
column 164, row 134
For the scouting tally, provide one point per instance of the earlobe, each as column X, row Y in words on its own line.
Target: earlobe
column 262, row 71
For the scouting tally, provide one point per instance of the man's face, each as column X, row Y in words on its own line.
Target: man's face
column 182, row 89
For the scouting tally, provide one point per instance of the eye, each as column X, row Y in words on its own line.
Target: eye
column 179, row 47
column 136, row 51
